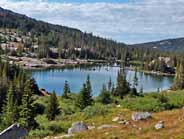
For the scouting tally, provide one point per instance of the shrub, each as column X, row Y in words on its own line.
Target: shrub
column 39, row 133
column 96, row 110
column 143, row 104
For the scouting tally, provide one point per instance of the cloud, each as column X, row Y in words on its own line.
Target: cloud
column 129, row 22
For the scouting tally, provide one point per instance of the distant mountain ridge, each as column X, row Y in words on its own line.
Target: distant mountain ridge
column 72, row 37
column 171, row 45
column 61, row 36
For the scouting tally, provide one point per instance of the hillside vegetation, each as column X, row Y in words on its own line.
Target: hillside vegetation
column 99, row 114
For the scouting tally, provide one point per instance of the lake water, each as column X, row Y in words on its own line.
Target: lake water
column 54, row 79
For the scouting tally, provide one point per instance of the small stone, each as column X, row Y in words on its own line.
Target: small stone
column 125, row 122
column 159, row 125
column 91, row 127
column 141, row 116
column 106, row 133
column 66, row 136
column 118, row 106
column 116, row 119
column 105, row 126
column 135, row 126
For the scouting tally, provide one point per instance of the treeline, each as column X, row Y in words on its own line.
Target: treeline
column 71, row 43
column 16, row 96
column 61, row 37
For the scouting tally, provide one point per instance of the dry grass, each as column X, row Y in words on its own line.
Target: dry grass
column 174, row 128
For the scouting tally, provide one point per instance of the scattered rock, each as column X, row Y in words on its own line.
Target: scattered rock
column 141, row 116
column 77, row 127
column 159, row 125
column 91, row 127
column 106, row 133
column 118, row 106
column 116, row 119
column 66, row 136
column 125, row 122
column 60, row 137
column 105, row 126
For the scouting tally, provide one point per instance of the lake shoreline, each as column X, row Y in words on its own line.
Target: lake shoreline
column 150, row 72
column 49, row 63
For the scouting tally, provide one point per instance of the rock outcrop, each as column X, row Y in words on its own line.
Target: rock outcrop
column 77, row 127
column 13, row 132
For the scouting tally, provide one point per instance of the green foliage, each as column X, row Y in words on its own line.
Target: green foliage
column 84, row 98
column 122, row 87
column 155, row 101
column 10, row 109
column 53, row 107
column 105, row 96
column 27, row 113
column 47, row 127
column 179, row 76
column 88, row 85
column 96, row 110
column 66, row 90
column 39, row 133
column 142, row 104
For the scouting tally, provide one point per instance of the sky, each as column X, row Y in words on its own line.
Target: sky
column 128, row 21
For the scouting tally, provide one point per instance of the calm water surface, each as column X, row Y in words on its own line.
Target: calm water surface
column 54, row 79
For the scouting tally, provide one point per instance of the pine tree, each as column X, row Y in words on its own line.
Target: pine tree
column 179, row 76
column 53, row 107
column 141, row 91
column 133, row 90
column 110, row 84
column 88, row 85
column 84, row 98
column 66, row 90
column 10, row 109
column 105, row 96
column 122, row 87
column 27, row 114
column 135, row 80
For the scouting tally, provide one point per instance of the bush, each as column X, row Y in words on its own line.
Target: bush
column 143, row 104
column 39, row 108
column 39, row 133
column 57, row 127
column 96, row 110
column 155, row 101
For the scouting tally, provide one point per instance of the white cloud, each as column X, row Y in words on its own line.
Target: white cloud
column 128, row 22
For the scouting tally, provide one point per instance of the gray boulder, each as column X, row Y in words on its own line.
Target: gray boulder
column 141, row 116
column 13, row 132
column 77, row 127
column 159, row 125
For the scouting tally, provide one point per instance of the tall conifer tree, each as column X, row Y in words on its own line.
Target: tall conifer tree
column 27, row 114
column 53, row 107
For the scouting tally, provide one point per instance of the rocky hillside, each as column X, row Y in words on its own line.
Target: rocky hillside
column 60, row 36
column 172, row 45
column 165, row 125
